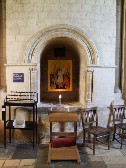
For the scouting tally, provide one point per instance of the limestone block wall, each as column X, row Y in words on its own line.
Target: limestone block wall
column 124, row 52
column 2, row 44
column 2, row 52
column 103, row 88
column 26, row 18
column 96, row 18
column 22, row 20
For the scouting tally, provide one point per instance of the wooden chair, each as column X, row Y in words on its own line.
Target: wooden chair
column 91, row 131
column 118, row 112
column 62, row 144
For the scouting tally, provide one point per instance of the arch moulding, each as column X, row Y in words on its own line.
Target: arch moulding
column 37, row 43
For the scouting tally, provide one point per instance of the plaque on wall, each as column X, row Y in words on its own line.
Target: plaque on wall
column 59, row 75
column 18, row 77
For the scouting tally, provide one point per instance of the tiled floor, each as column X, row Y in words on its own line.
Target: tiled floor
column 28, row 158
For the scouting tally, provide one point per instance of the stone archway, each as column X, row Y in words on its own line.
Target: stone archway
column 37, row 42
column 88, row 53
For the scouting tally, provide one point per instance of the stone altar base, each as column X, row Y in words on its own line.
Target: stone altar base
column 43, row 123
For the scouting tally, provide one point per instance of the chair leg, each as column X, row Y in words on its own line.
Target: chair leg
column 108, row 140
column 89, row 137
column 94, row 141
column 122, row 138
column 114, row 133
column 84, row 138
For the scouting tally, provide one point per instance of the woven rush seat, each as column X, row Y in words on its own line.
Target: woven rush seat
column 121, row 125
column 99, row 130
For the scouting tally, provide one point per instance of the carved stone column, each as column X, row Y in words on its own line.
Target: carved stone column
column 118, row 54
column 90, row 74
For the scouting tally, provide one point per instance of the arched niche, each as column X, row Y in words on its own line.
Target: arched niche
column 74, row 39
column 62, row 49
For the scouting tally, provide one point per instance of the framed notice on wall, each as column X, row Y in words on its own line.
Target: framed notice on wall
column 18, row 77
column 59, row 75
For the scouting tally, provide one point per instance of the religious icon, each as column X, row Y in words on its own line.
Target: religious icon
column 59, row 75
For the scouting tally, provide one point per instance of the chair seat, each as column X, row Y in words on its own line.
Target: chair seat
column 99, row 130
column 121, row 126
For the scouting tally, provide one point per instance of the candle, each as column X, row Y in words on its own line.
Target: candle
column 60, row 99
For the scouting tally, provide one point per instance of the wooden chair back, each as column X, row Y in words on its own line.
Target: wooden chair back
column 118, row 112
column 89, row 117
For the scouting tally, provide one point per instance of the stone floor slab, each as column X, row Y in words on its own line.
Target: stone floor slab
column 115, row 160
column 96, row 158
column 11, row 167
column 13, row 163
column 99, row 164
column 2, row 162
column 104, row 158
column 27, row 162
column 102, row 151
column 123, row 151
column 116, row 166
column 27, row 166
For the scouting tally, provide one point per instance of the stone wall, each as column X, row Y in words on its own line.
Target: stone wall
column 26, row 18
column 124, row 51
column 2, row 44
column 96, row 19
